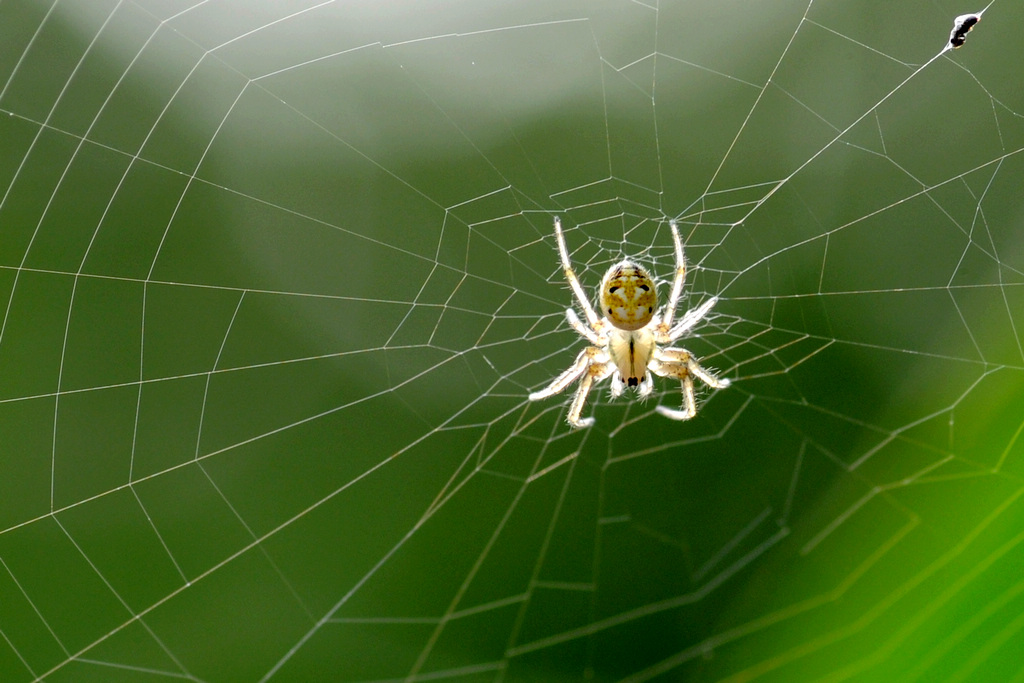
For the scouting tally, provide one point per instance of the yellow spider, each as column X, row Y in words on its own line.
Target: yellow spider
column 628, row 338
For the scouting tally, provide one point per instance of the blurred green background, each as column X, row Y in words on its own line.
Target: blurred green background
column 277, row 278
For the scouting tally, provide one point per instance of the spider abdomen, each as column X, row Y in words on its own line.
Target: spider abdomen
column 628, row 296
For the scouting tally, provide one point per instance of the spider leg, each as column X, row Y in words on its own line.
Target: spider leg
column 678, row 370
column 689, row 403
column 677, row 281
column 680, row 364
column 685, row 359
column 570, row 276
column 595, row 373
column 587, row 357
column 689, row 320
column 582, row 329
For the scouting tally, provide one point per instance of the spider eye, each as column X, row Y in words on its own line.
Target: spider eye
column 644, row 287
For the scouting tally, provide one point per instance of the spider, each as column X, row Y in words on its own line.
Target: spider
column 629, row 339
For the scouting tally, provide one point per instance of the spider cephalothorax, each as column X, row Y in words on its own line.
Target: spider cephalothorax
column 629, row 335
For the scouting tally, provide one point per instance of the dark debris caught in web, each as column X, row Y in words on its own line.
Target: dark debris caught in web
column 962, row 25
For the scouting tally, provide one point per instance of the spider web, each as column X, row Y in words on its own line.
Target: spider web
column 278, row 277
